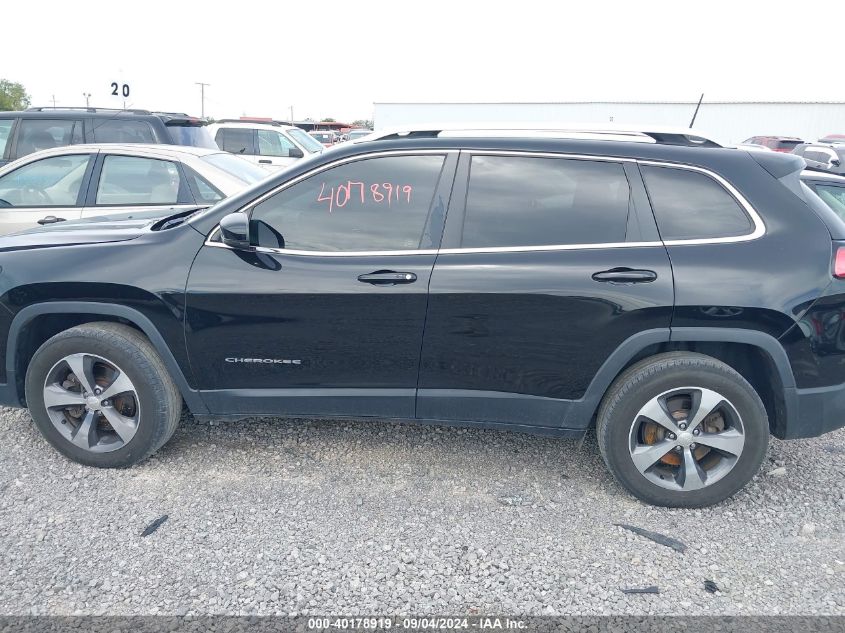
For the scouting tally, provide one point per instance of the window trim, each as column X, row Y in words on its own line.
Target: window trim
column 759, row 226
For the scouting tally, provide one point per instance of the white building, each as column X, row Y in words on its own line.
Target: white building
column 726, row 121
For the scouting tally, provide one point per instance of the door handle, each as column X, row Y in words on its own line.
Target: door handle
column 50, row 219
column 387, row 278
column 624, row 275
column 265, row 161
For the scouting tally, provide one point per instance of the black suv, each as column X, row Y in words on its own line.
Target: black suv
column 23, row 133
column 683, row 298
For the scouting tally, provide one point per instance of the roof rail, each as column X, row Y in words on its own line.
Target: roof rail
column 252, row 121
column 647, row 134
column 87, row 109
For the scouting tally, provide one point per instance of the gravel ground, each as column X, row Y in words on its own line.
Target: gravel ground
column 279, row 516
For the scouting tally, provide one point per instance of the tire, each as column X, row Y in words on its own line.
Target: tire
column 652, row 388
column 147, row 415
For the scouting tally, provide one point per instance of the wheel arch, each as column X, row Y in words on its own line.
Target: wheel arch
column 757, row 356
column 57, row 316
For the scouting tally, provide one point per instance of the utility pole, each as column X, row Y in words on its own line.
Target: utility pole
column 202, row 96
column 291, row 115
column 87, row 96
column 54, row 102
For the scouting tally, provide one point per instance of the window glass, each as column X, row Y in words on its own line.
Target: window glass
column 691, row 205
column 191, row 135
column 204, row 192
column 50, row 182
column 5, row 132
column 236, row 141
column 134, row 180
column 38, row 134
column 272, row 143
column 236, row 166
column 376, row 204
column 117, row 131
column 525, row 201
column 306, row 140
column 834, row 197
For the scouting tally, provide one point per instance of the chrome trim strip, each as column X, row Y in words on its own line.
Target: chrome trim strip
column 759, row 225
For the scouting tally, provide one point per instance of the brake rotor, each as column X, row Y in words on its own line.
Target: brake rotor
column 652, row 433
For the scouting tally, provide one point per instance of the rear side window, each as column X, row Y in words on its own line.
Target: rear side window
column 38, row 134
column 116, row 131
column 132, row 180
column 236, row 141
column 526, row 201
column 5, row 133
column 834, row 197
column 691, row 205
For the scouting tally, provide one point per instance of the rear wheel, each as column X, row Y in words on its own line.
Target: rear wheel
column 100, row 394
column 682, row 429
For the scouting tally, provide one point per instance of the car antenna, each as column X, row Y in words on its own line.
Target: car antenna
column 695, row 114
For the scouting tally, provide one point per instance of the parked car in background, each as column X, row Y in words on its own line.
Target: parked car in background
column 81, row 181
column 833, row 138
column 266, row 143
column 36, row 129
column 776, row 143
column 829, row 187
column 326, row 137
column 358, row 133
column 829, row 157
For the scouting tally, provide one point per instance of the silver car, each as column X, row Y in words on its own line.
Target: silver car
column 110, row 180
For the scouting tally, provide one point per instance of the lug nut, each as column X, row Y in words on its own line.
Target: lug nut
column 98, row 391
column 692, row 446
column 682, row 426
column 671, row 436
column 696, row 432
column 106, row 403
column 679, row 448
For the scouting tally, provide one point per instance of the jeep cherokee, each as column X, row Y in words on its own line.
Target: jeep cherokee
column 684, row 299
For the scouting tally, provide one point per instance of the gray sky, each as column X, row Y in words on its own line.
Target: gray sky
column 262, row 57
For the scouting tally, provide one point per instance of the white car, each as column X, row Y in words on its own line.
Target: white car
column 111, row 180
column 268, row 144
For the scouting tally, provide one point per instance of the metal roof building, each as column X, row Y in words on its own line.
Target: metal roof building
column 727, row 121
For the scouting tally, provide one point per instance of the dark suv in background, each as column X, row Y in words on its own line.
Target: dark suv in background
column 684, row 299
column 23, row 133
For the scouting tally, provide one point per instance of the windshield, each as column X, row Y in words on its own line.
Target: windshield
column 323, row 137
column 310, row 145
column 359, row 134
column 236, row 166
column 192, row 135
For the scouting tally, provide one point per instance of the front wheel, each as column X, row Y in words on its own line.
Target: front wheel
column 682, row 430
column 101, row 395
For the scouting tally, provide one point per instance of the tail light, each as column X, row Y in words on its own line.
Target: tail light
column 839, row 262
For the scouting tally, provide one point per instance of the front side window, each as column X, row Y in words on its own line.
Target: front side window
column 236, row 141
column 691, row 205
column 271, row 143
column 132, row 180
column 117, row 131
column 525, row 201
column 375, row 204
column 49, row 182
column 306, row 140
column 38, row 134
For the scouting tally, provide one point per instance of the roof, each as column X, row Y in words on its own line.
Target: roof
column 139, row 148
column 545, row 103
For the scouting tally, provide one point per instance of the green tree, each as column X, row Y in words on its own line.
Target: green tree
column 13, row 96
column 328, row 119
column 365, row 123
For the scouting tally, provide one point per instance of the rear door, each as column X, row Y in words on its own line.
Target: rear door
column 548, row 263
column 44, row 191
column 123, row 184
column 7, row 129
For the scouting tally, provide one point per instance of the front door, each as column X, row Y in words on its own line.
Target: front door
column 550, row 264
column 44, row 191
column 274, row 149
column 325, row 315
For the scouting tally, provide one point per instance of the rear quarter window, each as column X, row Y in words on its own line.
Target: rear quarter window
column 690, row 205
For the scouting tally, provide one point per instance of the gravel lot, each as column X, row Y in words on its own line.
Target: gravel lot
column 279, row 516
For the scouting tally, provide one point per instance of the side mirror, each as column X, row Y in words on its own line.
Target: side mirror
column 295, row 152
column 835, row 162
column 234, row 230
